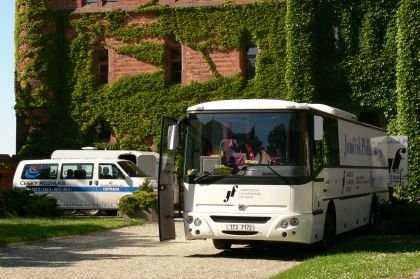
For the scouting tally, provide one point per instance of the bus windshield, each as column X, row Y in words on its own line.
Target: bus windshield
column 270, row 144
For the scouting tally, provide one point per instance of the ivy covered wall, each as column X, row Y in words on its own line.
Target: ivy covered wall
column 359, row 56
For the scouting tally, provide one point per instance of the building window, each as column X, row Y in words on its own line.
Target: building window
column 251, row 61
column 103, row 132
column 337, row 34
column 91, row 1
column 111, row 1
column 103, row 66
column 175, row 64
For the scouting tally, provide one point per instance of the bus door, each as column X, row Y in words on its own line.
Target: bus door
column 78, row 191
column 111, row 184
column 166, row 179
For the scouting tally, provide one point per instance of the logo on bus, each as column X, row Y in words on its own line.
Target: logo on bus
column 231, row 193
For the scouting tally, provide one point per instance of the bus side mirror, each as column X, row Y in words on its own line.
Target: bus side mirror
column 318, row 127
column 173, row 136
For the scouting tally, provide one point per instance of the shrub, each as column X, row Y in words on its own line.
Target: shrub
column 25, row 203
column 141, row 199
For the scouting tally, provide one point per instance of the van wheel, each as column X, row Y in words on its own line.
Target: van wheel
column 222, row 244
column 92, row 212
column 329, row 228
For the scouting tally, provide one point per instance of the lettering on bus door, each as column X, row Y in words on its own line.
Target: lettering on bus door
column 166, row 181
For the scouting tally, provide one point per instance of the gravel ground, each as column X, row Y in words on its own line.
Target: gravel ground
column 135, row 252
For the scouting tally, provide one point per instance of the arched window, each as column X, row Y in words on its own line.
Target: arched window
column 251, row 61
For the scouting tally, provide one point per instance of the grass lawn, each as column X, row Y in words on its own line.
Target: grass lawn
column 369, row 256
column 29, row 229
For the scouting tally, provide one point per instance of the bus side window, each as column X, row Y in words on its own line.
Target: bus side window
column 326, row 151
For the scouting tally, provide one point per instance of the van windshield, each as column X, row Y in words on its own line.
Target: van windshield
column 131, row 169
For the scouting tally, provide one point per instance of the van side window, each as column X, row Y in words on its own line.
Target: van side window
column 40, row 171
column 109, row 171
column 77, row 171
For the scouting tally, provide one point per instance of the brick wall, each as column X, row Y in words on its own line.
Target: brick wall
column 6, row 179
column 59, row 5
column 7, row 171
column 80, row 6
column 195, row 68
column 120, row 65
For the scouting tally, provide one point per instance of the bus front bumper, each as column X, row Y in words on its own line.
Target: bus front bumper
column 297, row 228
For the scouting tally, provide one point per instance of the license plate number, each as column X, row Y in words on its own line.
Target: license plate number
column 240, row 227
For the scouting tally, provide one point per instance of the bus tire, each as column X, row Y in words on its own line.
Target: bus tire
column 373, row 214
column 329, row 227
column 92, row 212
column 222, row 244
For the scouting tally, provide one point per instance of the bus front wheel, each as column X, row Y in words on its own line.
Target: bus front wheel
column 329, row 227
column 221, row 244
column 92, row 212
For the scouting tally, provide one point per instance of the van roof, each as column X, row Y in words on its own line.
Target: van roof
column 48, row 161
column 94, row 153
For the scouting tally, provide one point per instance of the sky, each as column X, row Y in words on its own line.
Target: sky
column 7, row 69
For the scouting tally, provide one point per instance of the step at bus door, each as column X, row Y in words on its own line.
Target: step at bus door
column 166, row 181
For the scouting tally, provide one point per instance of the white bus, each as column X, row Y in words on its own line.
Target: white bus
column 90, row 185
column 274, row 170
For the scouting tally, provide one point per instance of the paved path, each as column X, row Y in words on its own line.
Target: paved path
column 135, row 252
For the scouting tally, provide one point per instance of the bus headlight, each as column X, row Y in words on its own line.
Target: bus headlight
column 189, row 219
column 197, row 222
column 284, row 224
column 294, row 222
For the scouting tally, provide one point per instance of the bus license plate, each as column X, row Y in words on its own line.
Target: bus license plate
column 240, row 227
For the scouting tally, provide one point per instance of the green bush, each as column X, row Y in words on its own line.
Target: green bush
column 25, row 203
column 142, row 199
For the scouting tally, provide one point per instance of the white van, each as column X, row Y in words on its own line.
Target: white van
column 81, row 184
column 146, row 161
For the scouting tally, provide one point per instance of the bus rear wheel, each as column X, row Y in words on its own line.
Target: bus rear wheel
column 373, row 215
column 222, row 244
column 329, row 228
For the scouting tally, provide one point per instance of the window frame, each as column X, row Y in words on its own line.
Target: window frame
column 247, row 56
column 175, row 61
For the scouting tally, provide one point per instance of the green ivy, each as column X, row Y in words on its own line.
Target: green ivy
column 368, row 62
column 145, row 51
column 408, row 88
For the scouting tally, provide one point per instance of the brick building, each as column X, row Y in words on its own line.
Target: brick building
column 184, row 64
column 104, row 72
